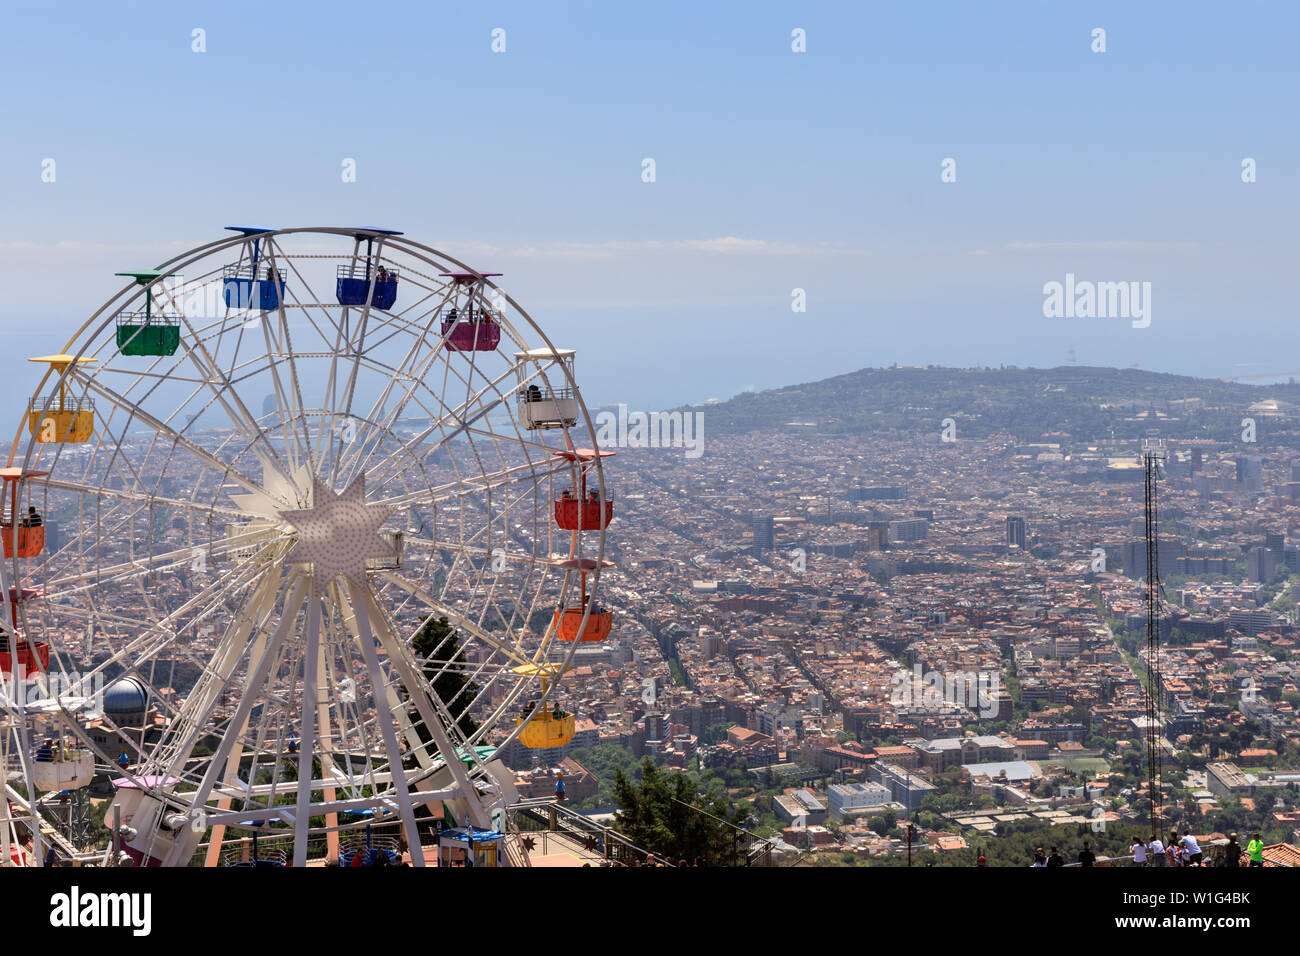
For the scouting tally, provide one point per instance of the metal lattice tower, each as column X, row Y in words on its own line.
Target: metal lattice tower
column 1153, row 455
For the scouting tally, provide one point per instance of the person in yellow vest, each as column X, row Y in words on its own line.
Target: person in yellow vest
column 1255, row 850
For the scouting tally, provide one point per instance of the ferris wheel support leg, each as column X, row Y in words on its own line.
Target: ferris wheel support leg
column 258, row 671
column 307, row 748
column 392, row 700
column 361, row 601
column 213, row 857
column 400, row 658
column 323, row 666
column 6, row 823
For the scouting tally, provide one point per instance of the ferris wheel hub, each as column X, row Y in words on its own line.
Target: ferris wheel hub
column 339, row 533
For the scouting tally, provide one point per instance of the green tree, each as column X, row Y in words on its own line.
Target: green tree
column 604, row 761
column 884, row 822
column 444, row 668
column 665, row 814
column 717, row 733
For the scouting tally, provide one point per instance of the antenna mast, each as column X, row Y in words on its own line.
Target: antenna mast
column 1153, row 453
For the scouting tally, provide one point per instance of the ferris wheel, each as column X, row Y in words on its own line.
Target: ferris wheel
column 300, row 528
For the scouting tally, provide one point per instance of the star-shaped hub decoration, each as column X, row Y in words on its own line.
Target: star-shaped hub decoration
column 339, row 532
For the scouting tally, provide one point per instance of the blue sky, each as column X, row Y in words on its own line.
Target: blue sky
column 775, row 170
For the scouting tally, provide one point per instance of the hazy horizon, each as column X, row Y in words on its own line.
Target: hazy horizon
column 774, row 171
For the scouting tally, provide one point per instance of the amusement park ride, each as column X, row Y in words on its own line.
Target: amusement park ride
column 229, row 509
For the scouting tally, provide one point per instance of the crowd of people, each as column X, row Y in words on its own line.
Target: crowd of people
column 1176, row 851
column 1185, row 851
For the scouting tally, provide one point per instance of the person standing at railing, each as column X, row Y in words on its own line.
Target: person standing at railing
column 1255, row 850
column 1086, row 856
column 1232, row 852
column 1156, row 851
column 1139, row 850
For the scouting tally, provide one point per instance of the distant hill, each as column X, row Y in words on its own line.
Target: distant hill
column 1069, row 404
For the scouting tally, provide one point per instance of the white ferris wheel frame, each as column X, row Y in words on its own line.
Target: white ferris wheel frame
column 260, row 575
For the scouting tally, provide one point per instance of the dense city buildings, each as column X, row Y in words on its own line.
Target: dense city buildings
column 861, row 630
column 886, row 637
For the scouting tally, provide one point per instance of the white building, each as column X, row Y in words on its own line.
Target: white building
column 845, row 798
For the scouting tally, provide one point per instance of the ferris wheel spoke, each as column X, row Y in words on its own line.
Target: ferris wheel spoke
column 291, row 406
column 526, row 445
column 475, row 484
column 310, row 305
column 291, row 260
column 362, row 327
column 511, row 650
column 408, row 370
column 507, row 558
column 163, row 635
column 459, row 415
column 547, row 465
column 430, row 706
column 197, row 451
column 140, row 497
column 130, row 570
column 238, row 414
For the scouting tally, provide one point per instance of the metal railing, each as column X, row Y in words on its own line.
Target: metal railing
column 557, row 823
column 468, row 315
column 748, row 849
column 249, row 271
column 364, row 271
column 148, row 318
column 543, row 394
column 53, row 403
column 274, row 856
